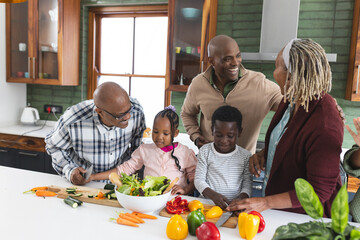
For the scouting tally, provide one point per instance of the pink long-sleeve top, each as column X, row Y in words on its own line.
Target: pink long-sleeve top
column 160, row 163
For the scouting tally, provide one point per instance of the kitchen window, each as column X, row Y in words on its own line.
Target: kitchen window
column 128, row 45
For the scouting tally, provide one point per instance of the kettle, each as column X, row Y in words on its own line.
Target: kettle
column 29, row 115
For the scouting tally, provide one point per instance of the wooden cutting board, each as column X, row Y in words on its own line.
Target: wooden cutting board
column 61, row 191
column 230, row 223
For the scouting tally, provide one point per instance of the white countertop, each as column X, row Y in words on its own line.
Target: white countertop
column 40, row 130
column 26, row 216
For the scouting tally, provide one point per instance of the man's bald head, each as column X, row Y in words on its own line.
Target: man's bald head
column 109, row 93
column 218, row 43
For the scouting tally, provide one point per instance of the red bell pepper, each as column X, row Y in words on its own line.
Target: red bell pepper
column 177, row 205
column 208, row 231
column 262, row 221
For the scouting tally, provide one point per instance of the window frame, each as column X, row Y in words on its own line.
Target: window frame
column 96, row 14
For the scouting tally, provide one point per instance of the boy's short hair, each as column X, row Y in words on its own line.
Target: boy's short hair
column 227, row 114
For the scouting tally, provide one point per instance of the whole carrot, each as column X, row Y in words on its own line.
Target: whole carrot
column 143, row 215
column 36, row 188
column 136, row 217
column 131, row 219
column 123, row 221
column 45, row 193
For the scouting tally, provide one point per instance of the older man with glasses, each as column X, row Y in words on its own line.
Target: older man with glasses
column 96, row 135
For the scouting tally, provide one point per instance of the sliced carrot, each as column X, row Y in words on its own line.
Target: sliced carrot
column 143, row 215
column 136, row 217
column 131, row 219
column 123, row 221
column 45, row 193
column 100, row 195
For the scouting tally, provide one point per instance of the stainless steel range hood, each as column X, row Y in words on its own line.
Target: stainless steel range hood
column 279, row 25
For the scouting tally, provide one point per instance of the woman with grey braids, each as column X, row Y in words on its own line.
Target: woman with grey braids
column 305, row 135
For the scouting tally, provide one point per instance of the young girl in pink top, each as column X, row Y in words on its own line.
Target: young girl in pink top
column 165, row 157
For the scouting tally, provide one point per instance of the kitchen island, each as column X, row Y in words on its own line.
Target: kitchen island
column 26, row 216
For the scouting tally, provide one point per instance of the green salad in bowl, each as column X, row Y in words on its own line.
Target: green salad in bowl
column 149, row 186
column 143, row 195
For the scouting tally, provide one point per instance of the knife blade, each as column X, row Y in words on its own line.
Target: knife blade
column 89, row 169
column 224, row 217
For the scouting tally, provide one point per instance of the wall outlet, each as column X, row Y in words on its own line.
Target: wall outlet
column 53, row 108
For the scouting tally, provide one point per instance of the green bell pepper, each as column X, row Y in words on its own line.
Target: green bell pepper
column 194, row 220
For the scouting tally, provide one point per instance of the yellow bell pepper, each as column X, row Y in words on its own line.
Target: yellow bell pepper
column 177, row 228
column 248, row 225
column 214, row 212
column 195, row 205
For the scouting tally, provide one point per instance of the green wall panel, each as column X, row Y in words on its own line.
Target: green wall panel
column 328, row 22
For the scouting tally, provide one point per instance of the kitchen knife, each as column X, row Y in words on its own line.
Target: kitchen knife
column 89, row 169
column 224, row 217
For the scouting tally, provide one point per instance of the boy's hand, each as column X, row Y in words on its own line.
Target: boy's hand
column 217, row 198
column 257, row 163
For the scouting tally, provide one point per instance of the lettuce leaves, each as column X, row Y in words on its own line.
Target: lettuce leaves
column 149, row 186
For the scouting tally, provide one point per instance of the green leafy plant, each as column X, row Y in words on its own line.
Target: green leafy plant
column 338, row 228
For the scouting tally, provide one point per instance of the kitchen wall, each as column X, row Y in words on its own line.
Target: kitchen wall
column 328, row 22
column 12, row 95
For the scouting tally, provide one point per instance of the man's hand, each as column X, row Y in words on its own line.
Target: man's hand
column 77, row 176
column 217, row 198
column 355, row 136
column 257, row 163
column 200, row 141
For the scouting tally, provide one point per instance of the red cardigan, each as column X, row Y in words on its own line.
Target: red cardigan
column 310, row 149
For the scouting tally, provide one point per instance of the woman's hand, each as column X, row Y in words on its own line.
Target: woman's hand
column 217, row 198
column 257, row 163
column 355, row 136
column 248, row 205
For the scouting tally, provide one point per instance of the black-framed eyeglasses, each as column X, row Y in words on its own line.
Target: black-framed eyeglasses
column 121, row 115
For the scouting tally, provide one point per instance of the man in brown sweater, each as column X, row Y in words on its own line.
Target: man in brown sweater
column 227, row 82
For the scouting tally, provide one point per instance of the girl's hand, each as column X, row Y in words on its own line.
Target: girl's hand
column 257, row 163
column 355, row 136
column 177, row 190
column 248, row 205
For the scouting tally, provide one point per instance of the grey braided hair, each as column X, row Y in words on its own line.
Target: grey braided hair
column 310, row 73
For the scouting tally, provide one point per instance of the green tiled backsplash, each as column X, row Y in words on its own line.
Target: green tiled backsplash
column 327, row 22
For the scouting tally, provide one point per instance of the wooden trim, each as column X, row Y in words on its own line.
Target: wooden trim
column 160, row 14
column 22, row 142
column 354, row 56
column 171, row 22
column 70, row 58
column 129, row 9
column 91, row 64
column 95, row 16
column 8, row 42
column 131, row 75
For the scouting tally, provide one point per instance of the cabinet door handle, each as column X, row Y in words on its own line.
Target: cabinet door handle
column 357, row 80
column 257, row 187
column 28, row 154
column 34, row 75
column 29, row 60
column 3, row 150
column 202, row 66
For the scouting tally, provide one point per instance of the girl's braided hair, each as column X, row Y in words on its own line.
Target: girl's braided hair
column 310, row 73
column 170, row 113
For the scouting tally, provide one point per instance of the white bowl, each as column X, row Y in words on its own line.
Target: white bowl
column 143, row 204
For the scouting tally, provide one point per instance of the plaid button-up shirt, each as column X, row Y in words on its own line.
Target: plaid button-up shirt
column 79, row 137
